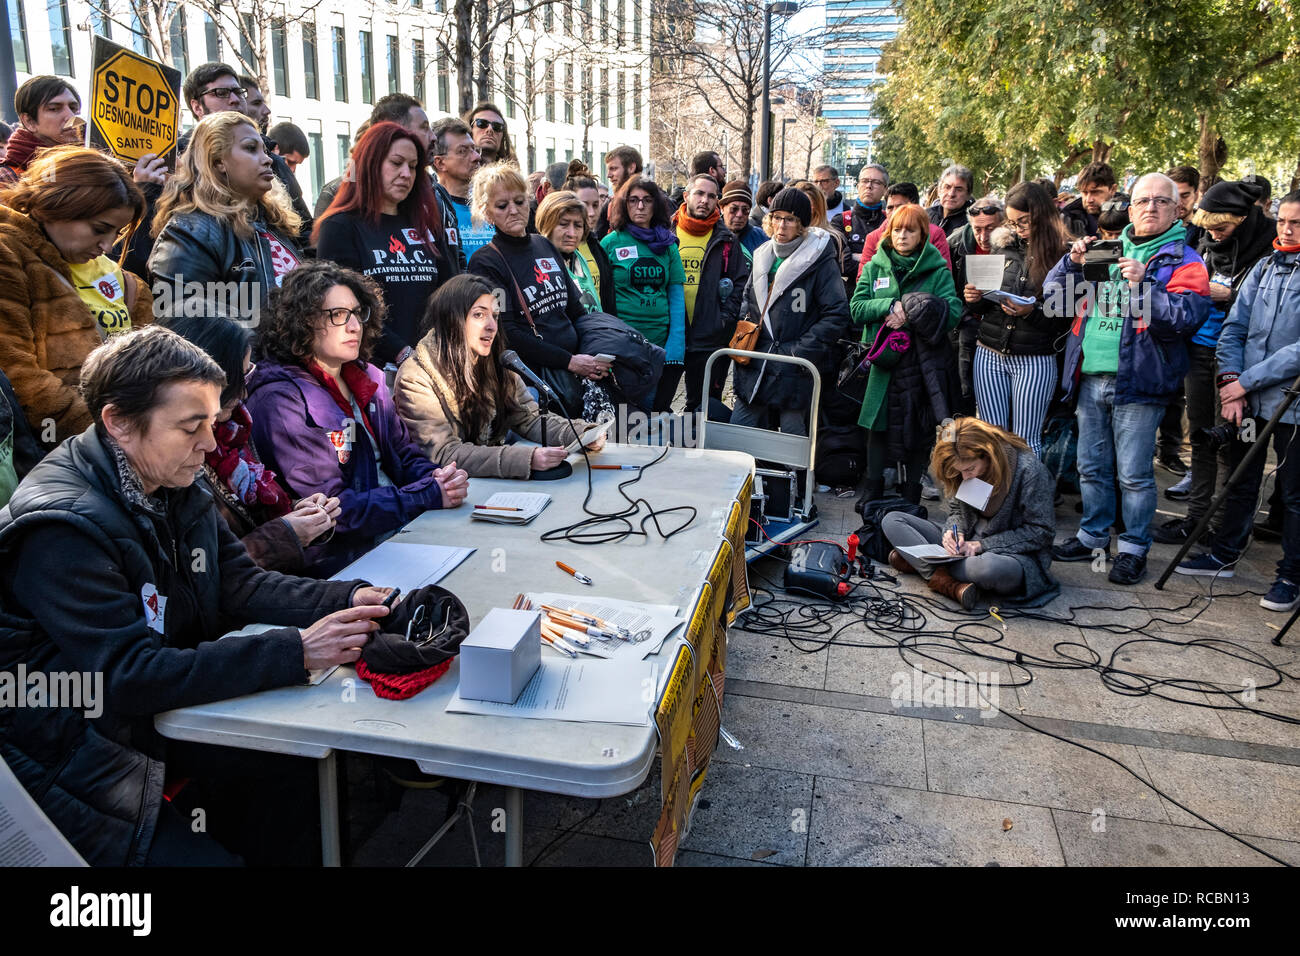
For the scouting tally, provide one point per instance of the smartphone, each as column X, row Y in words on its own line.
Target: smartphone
column 604, row 357
column 389, row 601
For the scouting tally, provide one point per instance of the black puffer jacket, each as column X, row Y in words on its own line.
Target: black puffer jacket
column 807, row 313
column 714, row 320
column 199, row 247
column 85, row 558
column 1032, row 334
column 924, row 381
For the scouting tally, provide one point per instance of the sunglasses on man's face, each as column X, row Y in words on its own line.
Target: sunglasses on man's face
column 495, row 125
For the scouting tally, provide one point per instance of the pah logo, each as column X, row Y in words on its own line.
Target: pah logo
column 109, row 288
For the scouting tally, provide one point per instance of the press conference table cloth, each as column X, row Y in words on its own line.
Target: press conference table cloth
column 566, row 757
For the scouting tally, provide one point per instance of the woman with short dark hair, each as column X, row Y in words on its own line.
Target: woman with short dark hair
column 273, row 527
column 158, row 579
column 324, row 419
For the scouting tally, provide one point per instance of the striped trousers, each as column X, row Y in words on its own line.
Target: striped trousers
column 1013, row 392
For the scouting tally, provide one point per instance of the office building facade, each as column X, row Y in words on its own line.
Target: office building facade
column 858, row 30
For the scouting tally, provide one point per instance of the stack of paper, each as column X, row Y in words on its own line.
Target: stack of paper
column 648, row 625
column 512, row 507
column 609, row 692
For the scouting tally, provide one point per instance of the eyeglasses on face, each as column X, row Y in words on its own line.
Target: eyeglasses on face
column 341, row 316
column 778, row 219
column 1162, row 202
column 1018, row 224
column 225, row 92
column 986, row 210
column 823, row 181
column 639, row 201
column 497, row 126
column 871, row 182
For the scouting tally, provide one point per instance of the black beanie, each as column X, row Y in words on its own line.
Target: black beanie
column 1234, row 198
column 792, row 200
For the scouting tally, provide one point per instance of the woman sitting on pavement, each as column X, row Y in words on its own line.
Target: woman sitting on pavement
column 97, row 577
column 1006, row 546
column 59, row 293
column 324, row 419
column 460, row 404
column 275, row 529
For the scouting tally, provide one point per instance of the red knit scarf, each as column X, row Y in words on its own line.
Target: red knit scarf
column 696, row 227
column 238, row 468
column 22, row 145
column 357, row 381
column 400, row 686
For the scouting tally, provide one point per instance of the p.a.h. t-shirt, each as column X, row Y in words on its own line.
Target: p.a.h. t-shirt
column 396, row 256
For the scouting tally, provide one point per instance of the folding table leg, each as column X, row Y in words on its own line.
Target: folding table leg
column 514, row 826
column 327, row 777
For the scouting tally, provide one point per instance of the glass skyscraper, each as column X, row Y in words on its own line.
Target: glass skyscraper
column 857, row 30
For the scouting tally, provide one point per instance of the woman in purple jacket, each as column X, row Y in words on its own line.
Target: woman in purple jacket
column 324, row 420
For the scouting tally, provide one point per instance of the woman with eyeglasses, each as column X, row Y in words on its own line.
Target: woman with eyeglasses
column 324, row 419
column 383, row 224
column 649, row 281
column 821, row 221
column 1015, row 359
column 60, row 293
column 224, row 217
column 461, row 405
column 539, row 301
column 275, row 529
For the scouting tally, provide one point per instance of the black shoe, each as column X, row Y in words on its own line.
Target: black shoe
column 1266, row 532
column 1072, row 550
column 1178, row 530
column 1172, row 463
column 1128, row 568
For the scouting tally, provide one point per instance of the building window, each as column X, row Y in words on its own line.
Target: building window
column 394, row 67
column 344, row 141
column 509, row 68
column 636, row 22
column 636, row 100
column 568, row 92
column 417, row 67
column 620, row 20
column 604, row 21
column 212, row 39
column 18, row 31
column 246, row 45
column 550, row 152
column 139, row 39
column 180, row 43
column 584, row 13
column 548, row 91
column 588, row 103
column 317, row 144
column 444, row 83
column 367, row 67
column 548, row 18
column 98, row 19
column 622, row 102
column 309, row 62
column 340, row 66
column 60, row 37
column 279, row 57
column 604, row 101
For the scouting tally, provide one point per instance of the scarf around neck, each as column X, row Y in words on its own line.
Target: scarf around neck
column 22, row 146
column 658, row 238
column 357, row 381
column 236, row 464
column 132, row 487
column 785, row 250
column 874, row 207
column 1112, row 296
column 1278, row 245
column 693, row 226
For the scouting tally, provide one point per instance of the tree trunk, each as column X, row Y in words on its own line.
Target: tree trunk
column 747, row 139
column 1211, row 150
column 464, row 56
column 484, row 42
column 1101, row 151
column 1295, row 177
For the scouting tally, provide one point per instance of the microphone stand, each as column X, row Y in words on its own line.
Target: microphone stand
column 1258, row 446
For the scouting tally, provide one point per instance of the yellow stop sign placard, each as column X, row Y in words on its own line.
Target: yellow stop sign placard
column 134, row 103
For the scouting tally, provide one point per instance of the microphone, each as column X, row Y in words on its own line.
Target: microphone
column 510, row 360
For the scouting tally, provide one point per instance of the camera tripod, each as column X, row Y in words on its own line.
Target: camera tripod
column 1259, row 446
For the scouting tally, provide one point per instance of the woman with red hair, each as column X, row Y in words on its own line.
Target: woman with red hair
column 383, row 224
column 913, row 380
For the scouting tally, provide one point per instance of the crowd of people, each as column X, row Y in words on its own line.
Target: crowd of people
column 197, row 337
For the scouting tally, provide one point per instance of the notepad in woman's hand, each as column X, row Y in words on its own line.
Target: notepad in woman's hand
column 975, row 492
column 929, row 553
column 512, row 507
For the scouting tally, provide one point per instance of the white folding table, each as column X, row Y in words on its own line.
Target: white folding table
column 577, row 759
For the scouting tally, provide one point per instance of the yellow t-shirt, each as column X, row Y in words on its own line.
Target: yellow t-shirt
column 691, row 248
column 102, row 286
column 592, row 266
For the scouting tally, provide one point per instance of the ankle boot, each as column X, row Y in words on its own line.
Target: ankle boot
column 900, row 564
column 963, row 592
column 872, row 490
column 911, row 490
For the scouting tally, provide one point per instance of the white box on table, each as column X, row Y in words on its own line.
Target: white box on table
column 501, row 655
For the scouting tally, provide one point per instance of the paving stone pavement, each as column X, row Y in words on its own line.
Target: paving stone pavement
column 842, row 766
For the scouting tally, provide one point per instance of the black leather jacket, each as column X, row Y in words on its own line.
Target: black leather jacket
column 199, row 247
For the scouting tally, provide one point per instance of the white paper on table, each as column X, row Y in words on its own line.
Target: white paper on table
column 976, row 492
column 660, row 620
column 985, row 272
column 529, row 503
column 607, row 692
column 27, row 837
column 929, row 553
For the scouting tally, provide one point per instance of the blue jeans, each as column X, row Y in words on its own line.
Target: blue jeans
column 1111, row 435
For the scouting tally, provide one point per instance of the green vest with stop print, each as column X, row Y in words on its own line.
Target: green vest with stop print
column 641, row 281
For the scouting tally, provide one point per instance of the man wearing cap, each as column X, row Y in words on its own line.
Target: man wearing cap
column 1236, row 235
column 855, row 223
column 716, row 268
column 737, row 203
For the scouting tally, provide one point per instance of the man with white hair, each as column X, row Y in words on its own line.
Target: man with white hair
column 1124, row 358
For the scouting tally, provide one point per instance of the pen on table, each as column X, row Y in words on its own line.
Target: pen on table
column 497, row 508
column 615, row 467
column 577, row 574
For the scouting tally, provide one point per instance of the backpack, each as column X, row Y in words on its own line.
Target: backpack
column 871, row 536
column 841, row 454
